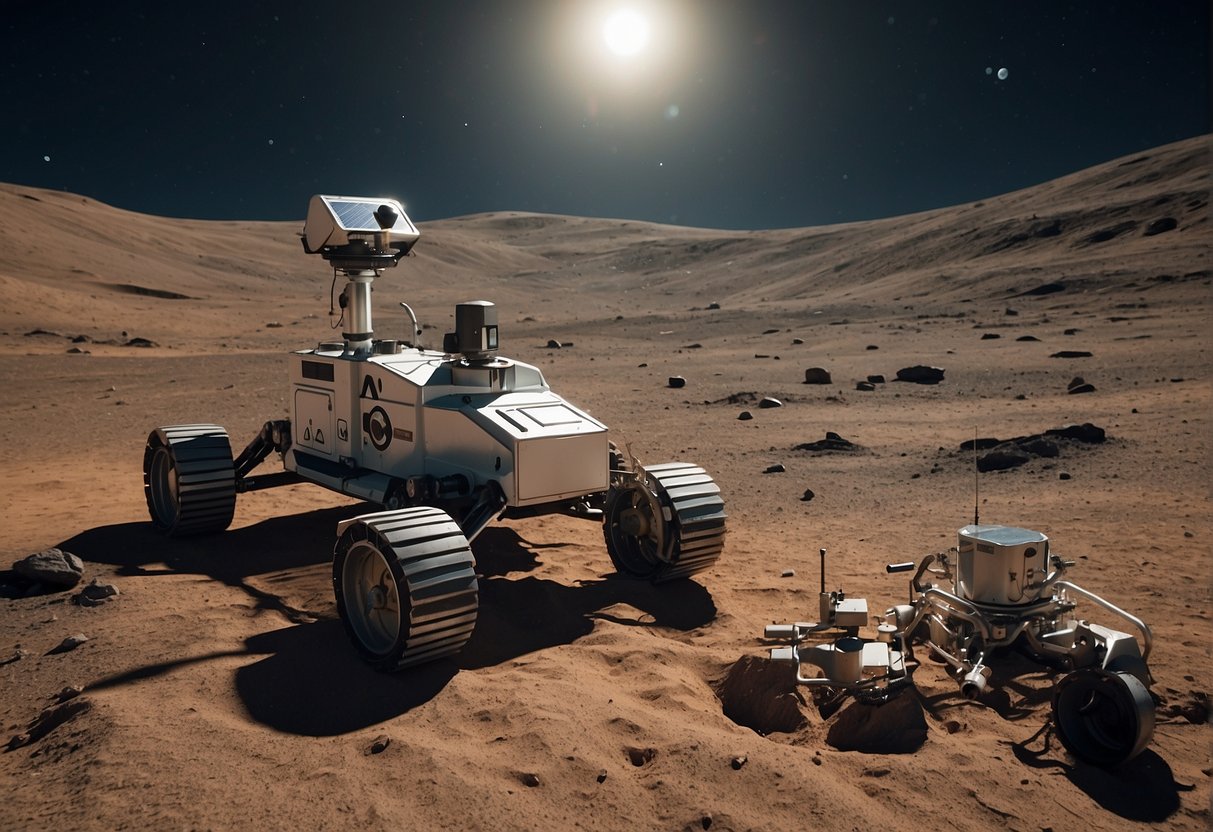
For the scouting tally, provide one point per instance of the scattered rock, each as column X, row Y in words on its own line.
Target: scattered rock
column 797, row 341
column 1086, row 432
column 78, row 351
column 920, row 374
column 70, row 692
column 1002, row 460
column 273, row 325
column 528, row 779
column 70, row 643
column 777, row 468
column 141, row 342
column 602, row 776
column 871, row 347
column 712, row 305
column 1009, row 312
column 18, row 654
column 553, row 344
column 1027, row 338
column 1071, row 354
column 1079, row 385
column 1064, row 475
column 677, row 381
column 990, row 336
column 816, row 375
column 769, row 331
column 51, row 566
column 832, row 442
column 745, row 416
column 1194, row 708
column 788, row 573
column 1072, row 331
column 695, row 346
column 808, row 495
column 768, row 402
column 1040, row 447
column 378, row 746
column 866, row 386
column 49, row 720
column 739, row 761
column 876, row 378
column 95, row 594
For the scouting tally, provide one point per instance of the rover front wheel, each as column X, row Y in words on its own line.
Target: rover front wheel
column 1105, row 718
column 189, row 479
column 666, row 522
column 405, row 586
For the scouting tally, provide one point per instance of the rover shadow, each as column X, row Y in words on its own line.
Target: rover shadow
column 1143, row 790
column 310, row 681
column 280, row 546
column 524, row 615
column 501, row 551
column 274, row 544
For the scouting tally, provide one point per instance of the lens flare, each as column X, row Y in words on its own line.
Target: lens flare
column 626, row 32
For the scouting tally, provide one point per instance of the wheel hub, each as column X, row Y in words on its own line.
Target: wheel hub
column 634, row 522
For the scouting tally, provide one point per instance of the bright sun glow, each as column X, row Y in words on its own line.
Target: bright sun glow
column 626, row 32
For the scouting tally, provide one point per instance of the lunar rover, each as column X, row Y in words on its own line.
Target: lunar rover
column 445, row 441
column 999, row 588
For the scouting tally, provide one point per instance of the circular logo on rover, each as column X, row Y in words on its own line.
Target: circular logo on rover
column 378, row 427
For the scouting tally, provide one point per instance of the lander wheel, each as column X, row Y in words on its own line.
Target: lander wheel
column 406, row 586
column 1102, row 717
column 189, row 479
column 666, row 523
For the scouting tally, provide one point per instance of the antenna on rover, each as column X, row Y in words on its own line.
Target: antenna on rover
column 976, row 483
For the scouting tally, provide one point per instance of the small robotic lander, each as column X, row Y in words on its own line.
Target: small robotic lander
column 999, row 588
column 446, row 441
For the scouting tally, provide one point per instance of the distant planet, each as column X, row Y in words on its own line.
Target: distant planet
column 1002, row 74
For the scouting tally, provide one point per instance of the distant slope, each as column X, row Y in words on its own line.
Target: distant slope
column 1135, row 219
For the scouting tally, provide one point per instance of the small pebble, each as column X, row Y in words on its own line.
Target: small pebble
column 739, row 761
column 788, row 573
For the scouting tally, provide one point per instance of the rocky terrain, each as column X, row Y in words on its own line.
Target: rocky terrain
column 838, row 382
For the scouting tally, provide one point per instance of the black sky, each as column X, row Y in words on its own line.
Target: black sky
column 754, row 114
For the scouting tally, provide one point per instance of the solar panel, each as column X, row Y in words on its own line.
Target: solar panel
column 355, row 216
column 359, row 215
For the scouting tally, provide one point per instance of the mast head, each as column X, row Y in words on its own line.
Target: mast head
column 357, row 233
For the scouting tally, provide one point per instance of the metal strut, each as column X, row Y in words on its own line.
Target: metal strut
column 275, row 435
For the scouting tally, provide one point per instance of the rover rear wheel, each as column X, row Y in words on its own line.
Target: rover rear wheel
column 1102, row 717
column 189, row 479
column 665, row 523
column 406, row 586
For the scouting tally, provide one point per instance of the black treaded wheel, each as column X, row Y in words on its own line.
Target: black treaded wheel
column 405, row 585
column 1102, row 717
column 189, row 479
column 666, row 523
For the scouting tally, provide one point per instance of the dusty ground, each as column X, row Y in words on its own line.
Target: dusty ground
column 220, row 690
